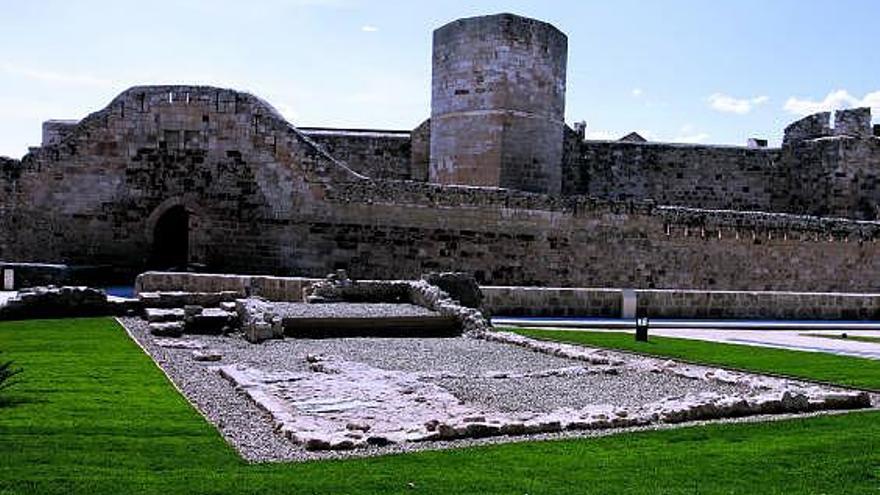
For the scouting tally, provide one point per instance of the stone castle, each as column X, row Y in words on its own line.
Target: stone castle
column 494, row 183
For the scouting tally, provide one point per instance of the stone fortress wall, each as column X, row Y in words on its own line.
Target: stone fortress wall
column 375, row 153
column 262, row 196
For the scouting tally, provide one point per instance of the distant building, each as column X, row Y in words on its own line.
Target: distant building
column 633, row 137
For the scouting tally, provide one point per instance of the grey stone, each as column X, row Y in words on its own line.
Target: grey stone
column 157, row 315
column 206, row 355
column 461, row 287
column 167, row 329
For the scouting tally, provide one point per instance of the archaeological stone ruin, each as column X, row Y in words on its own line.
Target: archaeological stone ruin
column 227, row 219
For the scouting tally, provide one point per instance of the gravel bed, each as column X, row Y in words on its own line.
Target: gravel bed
column 252, row 432
column 545, row 394
column 349, row 310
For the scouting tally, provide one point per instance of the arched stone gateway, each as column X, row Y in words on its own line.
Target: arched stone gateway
column 173, row 235
column 170, row 249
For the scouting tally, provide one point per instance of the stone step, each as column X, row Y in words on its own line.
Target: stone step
column 158, row 315
column 211, row 321
column 167, row 329
column 207, row 355
column 126, row 306
column 381, row 326
column 181, row 299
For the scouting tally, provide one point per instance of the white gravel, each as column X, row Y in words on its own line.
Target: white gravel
column 348, row 310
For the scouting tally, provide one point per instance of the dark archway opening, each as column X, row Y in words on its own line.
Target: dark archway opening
column 170, row 250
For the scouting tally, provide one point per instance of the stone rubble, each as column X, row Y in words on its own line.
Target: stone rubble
column 206, row 355
column 180, row 344
column 159, row 315
column 258, row 319
column 64, row 302
column 179, row 299
column 167, row 329
column 261, row 319
column 213, row 321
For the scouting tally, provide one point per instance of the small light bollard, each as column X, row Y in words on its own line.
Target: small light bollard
column 8, row 279
column 642, row 329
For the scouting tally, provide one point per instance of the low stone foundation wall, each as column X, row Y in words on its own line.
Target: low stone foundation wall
column 696, row 304
column 552, row 301
column 570, row 302
column 271, row 288
column 65, row 302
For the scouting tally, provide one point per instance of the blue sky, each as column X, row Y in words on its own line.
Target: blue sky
column 676, row 70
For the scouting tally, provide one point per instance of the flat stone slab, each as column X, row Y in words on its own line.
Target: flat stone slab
column 207, row 320
column 324, row 320
column 167, row 328
column 178, row 299
column 206, row 355
column 180, row 344
column 157, row 315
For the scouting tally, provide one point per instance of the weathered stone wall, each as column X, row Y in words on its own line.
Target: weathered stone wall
column 607, row 303
column 265, row 199
column 510, row 238
column 270, row 288
column 497, row 103
column 810, row 127
column 552, row 301
column 719, row 177
column 421, row 151
column 569, row 301
column 853, row 122
column 819, row 170
column 832, row 176
column 10, row 171
column 375, row 154
column 227, row 157
column 54, row 131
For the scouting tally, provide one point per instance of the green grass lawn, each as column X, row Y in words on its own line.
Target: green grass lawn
column 857, row 338
column 852, row 371
column 94, row 415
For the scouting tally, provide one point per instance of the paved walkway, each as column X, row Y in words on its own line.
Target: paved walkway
column 786, row 339
column 6, row 295
column 799, row 340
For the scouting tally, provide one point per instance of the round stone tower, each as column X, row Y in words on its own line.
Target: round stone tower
column 498, row 103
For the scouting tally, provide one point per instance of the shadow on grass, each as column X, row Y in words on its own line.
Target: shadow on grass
column 10, row 402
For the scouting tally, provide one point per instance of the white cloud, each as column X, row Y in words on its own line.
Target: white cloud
column 606, row 135
column 638, row 93
column 369, row 29
column 834, row 100
column 741, row 106
column 689, row 134
column 53, row 77
column 697, row 138
column 601, row 135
